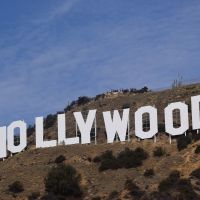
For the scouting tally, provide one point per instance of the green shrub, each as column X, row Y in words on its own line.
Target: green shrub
column 113, row 195
column 108, row 161
column 96, row 198
column 125, row 91
column 126, row 105
column 51, row 196
column 162, row 196
column 143, row 90
column 169, row 182
column 125, row 159
column 83, row 100
column 182, row 187
column 158, row 152
column 16, row 187
column 89, row 159
column 99, row 96
column 149, row 173
column 60, row 159
column 141, row 153
column 97, row 159
column 196, row 173
column 131, row 158
column 183, row 141
column 197, row 150
column 161, row 127
column 50, row 121
column 186, row 190
column 63, row 180
column 195, row 137
column 70, row 106
column 133, row 189
column 30, row 130
column 34, row 196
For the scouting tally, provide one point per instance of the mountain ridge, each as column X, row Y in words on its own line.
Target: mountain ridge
column 32, row 165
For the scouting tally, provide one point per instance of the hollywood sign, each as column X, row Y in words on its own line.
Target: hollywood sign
column 115, row 125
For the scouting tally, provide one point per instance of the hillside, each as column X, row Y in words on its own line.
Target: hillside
column 31, row 166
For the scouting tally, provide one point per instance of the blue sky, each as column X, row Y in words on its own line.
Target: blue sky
column 51, row 51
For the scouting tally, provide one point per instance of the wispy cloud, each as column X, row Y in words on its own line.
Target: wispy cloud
column 57, row 12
